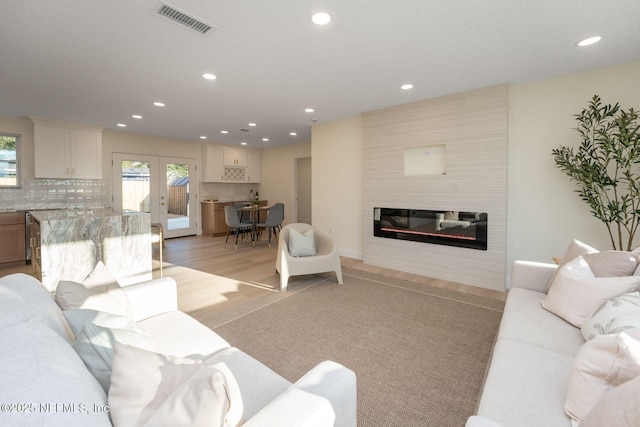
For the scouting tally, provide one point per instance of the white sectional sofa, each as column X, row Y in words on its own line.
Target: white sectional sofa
column 527, row 381
column 45, row 382
column 568, row 347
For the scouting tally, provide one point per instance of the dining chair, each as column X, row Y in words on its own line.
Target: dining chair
column 239, row 205
column 273, row 223
column 235, row 225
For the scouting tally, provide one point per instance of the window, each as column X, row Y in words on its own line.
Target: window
column 9, row 160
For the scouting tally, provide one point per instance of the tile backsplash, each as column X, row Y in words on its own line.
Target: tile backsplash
column 56, row 194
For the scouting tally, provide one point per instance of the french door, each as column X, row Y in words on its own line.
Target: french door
column 164, row 187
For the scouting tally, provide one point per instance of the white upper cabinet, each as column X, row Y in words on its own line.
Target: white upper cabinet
column 67, row 151
column 230, row 164
column 235, row 156
column 213, row 167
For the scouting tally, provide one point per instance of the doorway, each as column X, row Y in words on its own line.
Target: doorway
column 159, row 186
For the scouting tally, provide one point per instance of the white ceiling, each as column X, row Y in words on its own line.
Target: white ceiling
column 100, row 61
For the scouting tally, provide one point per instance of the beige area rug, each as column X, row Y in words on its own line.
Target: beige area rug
column 419, row 352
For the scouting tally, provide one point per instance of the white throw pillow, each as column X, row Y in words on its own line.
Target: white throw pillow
column 302, row 244
column 23, row 297
column 618, row 408
column 40, row 367
column 98, row 291
column 576, row 293
column 612, row 263
column 150, row 389
column 613, row 316
column 96, row 334
column 600, row 365
column 73, row 295
column 574, row 250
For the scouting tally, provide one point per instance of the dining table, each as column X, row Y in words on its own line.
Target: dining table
column 254, row 215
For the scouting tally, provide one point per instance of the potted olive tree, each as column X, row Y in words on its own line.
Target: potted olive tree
column 606, row 167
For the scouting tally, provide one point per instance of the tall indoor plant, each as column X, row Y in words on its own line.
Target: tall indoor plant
column 606, row 167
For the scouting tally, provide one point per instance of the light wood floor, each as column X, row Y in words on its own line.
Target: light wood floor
column 242, row 274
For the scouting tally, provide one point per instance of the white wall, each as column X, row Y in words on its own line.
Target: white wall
column 278, row 175
column 336, row 159
column 544, row 213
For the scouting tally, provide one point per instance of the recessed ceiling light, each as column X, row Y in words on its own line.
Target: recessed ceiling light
column 265, row 139
column 309, row 110
column 321, row 18
column 243, row 143
column 224, row 131
column 252, row 124
column 406, row 86
column 293, row 134
column 203, row 137
column 136, row 116
column 589, row 41
column 158, row 104
column 209, row 76
column 122, row 125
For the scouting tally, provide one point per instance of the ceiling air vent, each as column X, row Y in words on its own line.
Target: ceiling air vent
column 184, row 19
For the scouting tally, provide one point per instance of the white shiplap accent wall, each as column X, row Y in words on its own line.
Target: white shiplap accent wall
column 473, row 125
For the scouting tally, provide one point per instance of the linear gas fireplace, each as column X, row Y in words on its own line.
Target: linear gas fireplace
column 463, row 229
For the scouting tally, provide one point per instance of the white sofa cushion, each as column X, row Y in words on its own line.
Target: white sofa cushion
column 150, row 389
column 526, row 386
column 23, row 297
column 619, row 408
column 96, row 334
column 178, row 334
column 525, row 321
column 576, row 293
column 613, row 316
column 40, row 368
column 601, row 364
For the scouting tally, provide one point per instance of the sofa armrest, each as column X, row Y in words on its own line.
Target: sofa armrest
column 476, row 421
column 324, row 396
column 152, row 297
column 532, row 275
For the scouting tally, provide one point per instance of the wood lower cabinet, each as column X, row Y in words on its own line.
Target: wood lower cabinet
column 12, row 236
column 213, row 221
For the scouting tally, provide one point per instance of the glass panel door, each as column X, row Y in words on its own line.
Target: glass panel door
column 159, row 186
column 180, row 205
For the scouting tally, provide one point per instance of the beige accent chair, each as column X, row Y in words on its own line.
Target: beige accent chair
column 326, row 259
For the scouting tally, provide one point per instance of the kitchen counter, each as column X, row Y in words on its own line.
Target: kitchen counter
column 68, row 243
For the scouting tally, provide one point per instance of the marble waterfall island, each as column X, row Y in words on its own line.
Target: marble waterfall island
column 71, row 242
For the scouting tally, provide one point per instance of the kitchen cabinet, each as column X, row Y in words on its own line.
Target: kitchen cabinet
column 12, row 236
column 213, row 166
column 67, row 151
column 229, row 164
column 234, row 156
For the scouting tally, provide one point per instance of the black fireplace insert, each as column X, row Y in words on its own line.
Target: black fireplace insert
column 452, row 228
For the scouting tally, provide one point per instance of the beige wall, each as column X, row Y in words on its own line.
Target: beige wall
column 544, row 212
column 336, row 157
column 278, row 175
